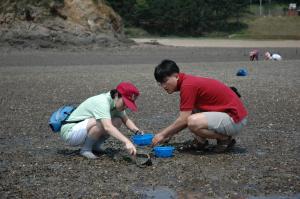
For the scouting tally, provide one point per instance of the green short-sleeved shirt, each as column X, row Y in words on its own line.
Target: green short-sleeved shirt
column 99, row 107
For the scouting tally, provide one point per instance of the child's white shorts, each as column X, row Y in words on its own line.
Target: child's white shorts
column 77, row 134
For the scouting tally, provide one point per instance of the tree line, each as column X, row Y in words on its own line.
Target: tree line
column 188, row 17
column 182, row 17
column 275, row 1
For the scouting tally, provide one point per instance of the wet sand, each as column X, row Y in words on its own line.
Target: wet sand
column 35, row 163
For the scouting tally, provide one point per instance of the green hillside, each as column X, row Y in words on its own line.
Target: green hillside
column 278, row 27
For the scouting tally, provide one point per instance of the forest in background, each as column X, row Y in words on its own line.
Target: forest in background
column 192, row 17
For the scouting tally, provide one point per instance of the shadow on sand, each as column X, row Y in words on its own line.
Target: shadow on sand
column 210, row 150
column 179, row 147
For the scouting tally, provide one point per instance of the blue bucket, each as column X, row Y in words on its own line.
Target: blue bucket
column 242, row 72
column 143, row 140
column 163, row 151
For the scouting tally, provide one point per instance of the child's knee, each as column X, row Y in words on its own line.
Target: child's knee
column 91, row 123
column 95, row 129
column 117, row 122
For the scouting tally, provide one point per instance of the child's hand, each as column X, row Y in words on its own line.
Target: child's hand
column 139, row 132
column 130, row 148
column 158, row 138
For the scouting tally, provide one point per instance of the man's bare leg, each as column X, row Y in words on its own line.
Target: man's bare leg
column 197, row 123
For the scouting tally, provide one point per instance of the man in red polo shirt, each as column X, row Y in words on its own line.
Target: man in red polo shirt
column 208, row 108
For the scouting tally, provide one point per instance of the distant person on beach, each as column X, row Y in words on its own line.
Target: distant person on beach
column 208, row 108
column 272, row 56
column 100, row 117
column 253, row 55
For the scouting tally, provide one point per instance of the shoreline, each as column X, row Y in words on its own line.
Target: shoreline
column 233, row 43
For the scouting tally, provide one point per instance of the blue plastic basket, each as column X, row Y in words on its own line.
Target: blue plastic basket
column 143, row 140
column 163, row 151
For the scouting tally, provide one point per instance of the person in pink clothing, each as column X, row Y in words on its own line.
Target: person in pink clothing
column 253, row 55
column 208, row 108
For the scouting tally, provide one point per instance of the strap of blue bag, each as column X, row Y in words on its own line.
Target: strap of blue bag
column 69, row 122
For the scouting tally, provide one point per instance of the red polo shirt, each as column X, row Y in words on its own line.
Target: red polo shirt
column 207, row 94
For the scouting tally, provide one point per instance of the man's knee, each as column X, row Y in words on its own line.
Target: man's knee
column 196, row 121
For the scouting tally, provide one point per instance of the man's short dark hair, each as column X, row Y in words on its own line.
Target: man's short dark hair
column 164, row 69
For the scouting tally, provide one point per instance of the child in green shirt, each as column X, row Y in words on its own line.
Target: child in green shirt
column 100, row 117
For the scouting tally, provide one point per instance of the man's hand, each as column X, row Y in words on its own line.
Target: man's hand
column 166, row 134
column 158, row 138
column 130, row 148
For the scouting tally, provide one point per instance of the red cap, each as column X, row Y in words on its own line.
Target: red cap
column 129, row 94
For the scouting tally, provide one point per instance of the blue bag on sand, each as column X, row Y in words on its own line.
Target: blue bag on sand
column 59, row 117
column 242, row 72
